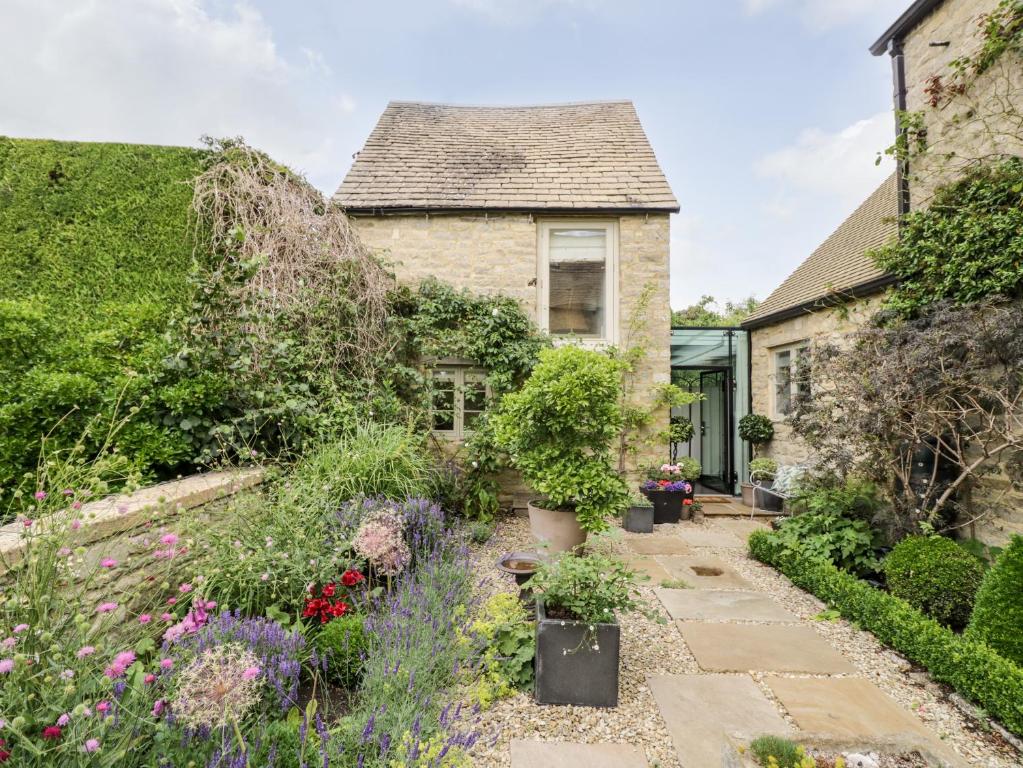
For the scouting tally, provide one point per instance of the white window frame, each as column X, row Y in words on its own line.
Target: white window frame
column 459, row 372
column 611, row 296
column 796, row 350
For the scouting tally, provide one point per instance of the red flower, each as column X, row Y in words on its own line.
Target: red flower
column 329, row 590
column 351, row 577
column 340, row 608
column 51, row 732
column 4, row 754
column 663, row 483
column 687, row 502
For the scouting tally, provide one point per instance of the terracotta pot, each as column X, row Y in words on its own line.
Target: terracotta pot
column 558, row 529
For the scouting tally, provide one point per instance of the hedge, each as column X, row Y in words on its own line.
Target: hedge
column 972, row 668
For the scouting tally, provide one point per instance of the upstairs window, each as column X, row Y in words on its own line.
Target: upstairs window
column 578, row 279
column 459, row 397
column 790, row 376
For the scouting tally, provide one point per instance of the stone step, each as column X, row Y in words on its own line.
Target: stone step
column 721, row 647
column 722, row 605
column 563, row 754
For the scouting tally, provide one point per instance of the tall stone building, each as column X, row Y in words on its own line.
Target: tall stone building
column 563, row 207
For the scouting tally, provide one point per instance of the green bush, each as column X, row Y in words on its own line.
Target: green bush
column 998, row 612
column 787, row 753
column 689, row 468
column 974, row 669
column 854, row 497
column 849, row 544
column 763, row 469
column 756, row 429
column 343, row 643
column 559, row 428
column 935, row 575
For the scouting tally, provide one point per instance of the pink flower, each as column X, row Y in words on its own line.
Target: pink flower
column 9, row 642
column 264, row 577
column 20, row 628
column 172, row 601
column 149, row 679
column 27, row 523
column 158, row 708
column 40, row 495
column 166, row 663
column 76, row 505
column 121, row 662
column 185, row 588
column 103, row 707
column 68, row 492
column 251, row 673
column 76, row 524
column 108, row 562
column 145, row 618
column 91, row 745
column 63, row 551
column 6, row 665
column 166, row 617
column 170, row 539
column 106, row 607
column 85, row 650
column 63, row 719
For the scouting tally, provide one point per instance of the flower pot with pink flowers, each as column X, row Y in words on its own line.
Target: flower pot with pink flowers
column 670, row 489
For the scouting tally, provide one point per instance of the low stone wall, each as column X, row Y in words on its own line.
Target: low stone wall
column 120, row 516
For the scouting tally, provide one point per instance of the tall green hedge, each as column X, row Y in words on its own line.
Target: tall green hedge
column 94, row 255
column 974, row 669
column 998, row 613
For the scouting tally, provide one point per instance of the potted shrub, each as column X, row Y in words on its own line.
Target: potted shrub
column 579, row 601
column 670, row 491
column 755, row 430
column 762, row 473
column 639, row 516
column 558, row 431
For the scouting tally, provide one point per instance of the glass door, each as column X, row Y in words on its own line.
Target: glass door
column 714, row 430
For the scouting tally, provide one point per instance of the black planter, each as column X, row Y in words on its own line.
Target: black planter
column 580, row 676
column 639, row 520
column 768, row 502
column 668, row 505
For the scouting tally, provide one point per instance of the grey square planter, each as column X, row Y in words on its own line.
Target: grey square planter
column 582, row 676
column 639, row 519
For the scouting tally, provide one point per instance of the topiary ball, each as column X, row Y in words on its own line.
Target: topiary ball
column 344, row 644
column 756, row 429
column 998, row 613
column 936, row 576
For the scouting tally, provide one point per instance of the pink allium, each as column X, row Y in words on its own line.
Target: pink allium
column 250, row 673
column 85, row 650
column 106, row 607
column 166, row 663
column 6, row 665
column 20, row 628
column 380, row 540
column 91, row 745
column 170, row 539
column 40, row 495
column 108, row 562
column 145, row 618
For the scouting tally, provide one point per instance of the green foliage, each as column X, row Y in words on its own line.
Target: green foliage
column 763, row 469
column 973, row 668
column 998, row 612
column 94, row 255
column 674, row 584
column 592, row 587
column 680, row 429
column 854, row 497
column 703, row 313
column 1001, row 31
column 558, row 430
column 966, row 245
column 343, row 643
column 688, row 467
column 756, row 429
column 847, row 543
column 934, row 575
column 509, row 640
column 480, row 532
column 786, row 754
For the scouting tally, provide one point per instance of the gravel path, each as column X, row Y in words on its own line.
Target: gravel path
column 651, row 648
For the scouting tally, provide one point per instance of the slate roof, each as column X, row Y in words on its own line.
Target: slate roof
column 585, row 156
column 840, row 264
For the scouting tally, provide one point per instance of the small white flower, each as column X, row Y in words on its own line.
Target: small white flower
column 475, row 464
column 596, row 647
column 495, row 311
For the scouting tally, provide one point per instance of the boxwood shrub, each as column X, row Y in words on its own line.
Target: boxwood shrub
column 936, row 575
column 973, row 668
column 998, row 614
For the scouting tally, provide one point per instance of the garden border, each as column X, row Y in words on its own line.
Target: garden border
column 112, row 515
column 972, row 668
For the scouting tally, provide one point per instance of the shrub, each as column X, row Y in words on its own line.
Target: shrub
column 854, row 497
column 936, row 576
column 974, row 669
column 786, row 754
column 756, row 429
column 342, row 643
column 558, row 430
column 509, row 645
column 849, row 544
column 998, row 612
column 763, row 469
column 689, row 468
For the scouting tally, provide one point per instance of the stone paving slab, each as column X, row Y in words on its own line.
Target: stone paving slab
column 650, row 567
column 720, row 647
column 708, row 537
column 561, row 754
column 657, row 545
column 701, row 711
column 721, row 605
column 704, row 572
column 742, row 528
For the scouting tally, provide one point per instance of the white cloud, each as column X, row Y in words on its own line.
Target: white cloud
column 821, row 15
column 840, row 166
column 165, row 72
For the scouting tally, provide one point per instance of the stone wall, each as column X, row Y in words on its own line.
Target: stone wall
column 497, row 253
column 974, row 125
column 825, row 324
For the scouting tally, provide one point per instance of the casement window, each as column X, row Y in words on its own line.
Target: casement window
column 790, row 376
column 578, row 280
column 459, row 397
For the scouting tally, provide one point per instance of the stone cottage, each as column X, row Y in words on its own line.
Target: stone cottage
column 563, row 207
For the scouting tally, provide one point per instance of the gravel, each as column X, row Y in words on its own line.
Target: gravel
column 652, row 648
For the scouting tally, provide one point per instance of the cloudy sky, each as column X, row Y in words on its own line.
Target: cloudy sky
column 766, row 115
